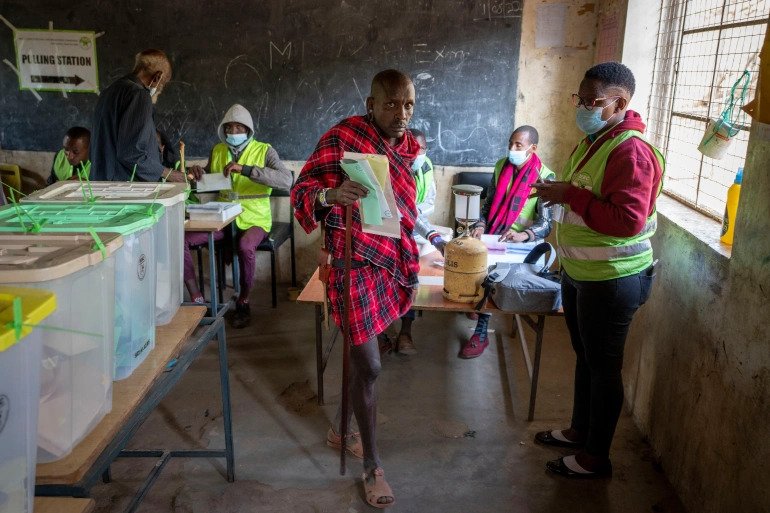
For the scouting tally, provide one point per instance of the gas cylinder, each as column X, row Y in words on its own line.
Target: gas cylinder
column 465, row 267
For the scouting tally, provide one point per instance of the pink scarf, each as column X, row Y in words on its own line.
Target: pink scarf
column 509, row 202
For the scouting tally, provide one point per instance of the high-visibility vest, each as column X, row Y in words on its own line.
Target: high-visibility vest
column 585, row 254
column 423, row 178
column 256, row 197
column 63, row 169
column 527, row 215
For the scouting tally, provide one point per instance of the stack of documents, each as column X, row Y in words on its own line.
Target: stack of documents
column 379, row 212
column 213, row 182
column 213, row 211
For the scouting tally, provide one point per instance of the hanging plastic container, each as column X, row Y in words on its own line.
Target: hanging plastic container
column 77, row 362
column 20, row 344
column 720, row 132
column 169, row 243
column 135, row 269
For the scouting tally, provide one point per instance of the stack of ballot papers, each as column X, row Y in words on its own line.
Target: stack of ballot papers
column 213, row 182
column 379, row 212
column 213, row 211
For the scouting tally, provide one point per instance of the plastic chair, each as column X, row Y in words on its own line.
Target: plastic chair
column 10, row 174
column 280, row 233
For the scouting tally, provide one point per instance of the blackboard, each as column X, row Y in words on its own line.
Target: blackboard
column 299, row 66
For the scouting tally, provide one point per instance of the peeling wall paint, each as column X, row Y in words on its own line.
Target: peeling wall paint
column 548, row 76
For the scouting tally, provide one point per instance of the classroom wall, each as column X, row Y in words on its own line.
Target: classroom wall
column 697, row 367
column 550, row 70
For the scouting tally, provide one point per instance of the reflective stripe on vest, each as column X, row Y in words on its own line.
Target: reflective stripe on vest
column 588, row 255
column 528, row 213
column 253, row 197
column 63, row 169
column 423, row 179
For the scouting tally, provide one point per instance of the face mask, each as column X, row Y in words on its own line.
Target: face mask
column 154, row 89
column 590, row 121
column 517, row 158
column 236, row 139
column 419, row 160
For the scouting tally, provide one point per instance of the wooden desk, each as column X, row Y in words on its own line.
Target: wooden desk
column 177, row 345
column 63, row 505
column 430, row 297
column 211, row 227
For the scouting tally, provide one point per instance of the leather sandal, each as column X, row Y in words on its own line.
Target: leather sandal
column 377, row 488
column 405, row 344
column 352, row 443
column 560, row 468
column 546, row 438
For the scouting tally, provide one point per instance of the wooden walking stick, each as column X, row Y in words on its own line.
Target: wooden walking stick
column 346, row 334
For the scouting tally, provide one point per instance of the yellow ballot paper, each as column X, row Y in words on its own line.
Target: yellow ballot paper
column 390, row 226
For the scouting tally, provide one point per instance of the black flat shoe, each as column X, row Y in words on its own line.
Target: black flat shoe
column 560, row 468
column 546, row 438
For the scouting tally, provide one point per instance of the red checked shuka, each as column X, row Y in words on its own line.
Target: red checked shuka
column 381, row 288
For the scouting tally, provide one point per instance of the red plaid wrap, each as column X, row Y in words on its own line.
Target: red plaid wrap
column 381, row 291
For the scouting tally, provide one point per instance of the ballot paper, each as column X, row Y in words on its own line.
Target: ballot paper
column 213, row 211
column 374, row 207
column 213, row 182
column 380, row 167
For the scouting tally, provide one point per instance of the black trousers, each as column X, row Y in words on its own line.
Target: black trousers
column 598, row 315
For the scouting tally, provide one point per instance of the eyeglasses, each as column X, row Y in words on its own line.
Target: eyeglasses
column 577, row 101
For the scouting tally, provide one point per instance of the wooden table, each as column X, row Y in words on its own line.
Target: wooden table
column 430, row 297
column 177, row 345
column 63, row 505
column 211, row 227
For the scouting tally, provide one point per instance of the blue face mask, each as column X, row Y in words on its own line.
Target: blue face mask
column 419, row 160
column 518, row 157
column 236, row 139
column 590, row 121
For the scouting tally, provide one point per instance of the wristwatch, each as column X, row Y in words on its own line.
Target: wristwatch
column 322, row 197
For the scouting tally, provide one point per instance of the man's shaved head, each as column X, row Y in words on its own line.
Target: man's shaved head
column 391, row 102
column 388, row 79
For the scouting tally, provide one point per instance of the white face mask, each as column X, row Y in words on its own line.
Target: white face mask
column 419, row 160
column 154, row 88
column 519, row 157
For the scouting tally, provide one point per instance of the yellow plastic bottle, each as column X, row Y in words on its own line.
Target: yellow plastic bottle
column 733, row 195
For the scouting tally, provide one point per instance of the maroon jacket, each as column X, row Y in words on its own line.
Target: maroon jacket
column 630, row 186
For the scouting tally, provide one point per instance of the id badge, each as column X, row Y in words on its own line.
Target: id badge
column 558, row 213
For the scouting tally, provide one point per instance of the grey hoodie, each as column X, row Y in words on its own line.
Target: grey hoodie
column 275, row 174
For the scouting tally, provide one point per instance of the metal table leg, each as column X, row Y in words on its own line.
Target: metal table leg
column 236, row 267
column 536, row 365
column 224, row 380
column 213, row 276
column 319, row 353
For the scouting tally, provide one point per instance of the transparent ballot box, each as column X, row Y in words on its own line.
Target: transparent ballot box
column 20, row 348
column 135, row 269
column 169, row 242
column 76, row 365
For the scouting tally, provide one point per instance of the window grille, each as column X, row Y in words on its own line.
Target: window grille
column 703, row 47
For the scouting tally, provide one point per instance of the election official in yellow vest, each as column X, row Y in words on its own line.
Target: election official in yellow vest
column 72, row 161
column 510, row 212
column 604, row 209
column 254, row 169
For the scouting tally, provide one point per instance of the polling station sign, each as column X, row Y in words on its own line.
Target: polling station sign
column 56, row 60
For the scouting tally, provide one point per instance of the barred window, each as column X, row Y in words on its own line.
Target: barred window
column 703, row 47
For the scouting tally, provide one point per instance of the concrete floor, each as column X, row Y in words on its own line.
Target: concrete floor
column 427, row 403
